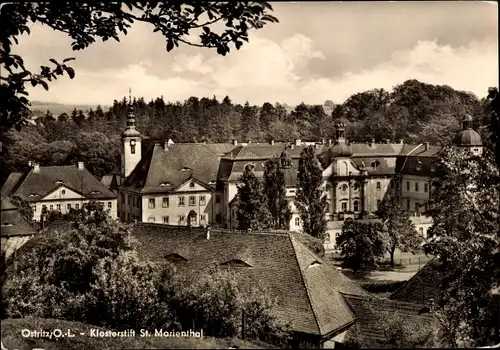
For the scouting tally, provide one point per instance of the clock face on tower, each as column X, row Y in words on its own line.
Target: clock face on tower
column 132, row 143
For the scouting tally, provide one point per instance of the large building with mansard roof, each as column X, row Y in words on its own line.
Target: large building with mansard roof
column 195, row 184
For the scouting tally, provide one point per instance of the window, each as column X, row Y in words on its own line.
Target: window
column 356, row 186
column 151, row 219
column 426, row 206
column 51, row 207
column 165, row 203
column 191, row 184
column 77, row 206
column 356, row 206
column 63, row 191
column 421, row 231
column 129, row 199
column 408, row 204
column 407, row 185
column 182, row 218
column 379, row 186
column 132, row 146
column 181, row 201
column 110, row 205
column 123, row 198
column 328, row 188
column 218, row 218
column 297, row 221
column 59, row 207
column 202, row 200
column 344, row 206
column 69, row 206
column 416, row 206
column 217, row 199
column 34, row 208
column 151, row 203
column 343, row 188
column 44, row 208
column 192, row 201
column 165, row 219
column 416, row 186
column 426, row 188
column 292, row 191
column 203, row 218
column 378, row 203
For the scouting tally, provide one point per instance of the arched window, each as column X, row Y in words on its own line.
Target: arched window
column 344, row 188
column 356, row 205
column 343, row 168
column 421, row 231
column 132, row 146
column 356, row 186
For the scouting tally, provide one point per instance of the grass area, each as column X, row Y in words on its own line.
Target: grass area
column 12, row 338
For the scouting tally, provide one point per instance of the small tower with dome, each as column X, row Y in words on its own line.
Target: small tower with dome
column 468, row 138
column 340, row 149
column 131, row 140
column 286, row 159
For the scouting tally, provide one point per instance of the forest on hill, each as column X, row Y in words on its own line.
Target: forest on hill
column 414, row 112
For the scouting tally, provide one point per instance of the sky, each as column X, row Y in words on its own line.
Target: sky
column 319, row 51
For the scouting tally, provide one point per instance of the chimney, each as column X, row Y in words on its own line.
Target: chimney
column 81, row 165
column 30, row 163
column 372, row 143
column 208, row 232
column 204, row 142
column 36, row 167
column 323, row 141
column 165, row 145
column 292, row 146
column 271, row 142
column 388, row 141
column 426, row 146
column 329, row 142
column 235, row 142
column 401, row 141
column 298, row 142
column 249, row 141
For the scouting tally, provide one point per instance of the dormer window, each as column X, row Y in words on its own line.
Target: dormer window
column 33, row 195
column 186, row 169
column 419, row 165
column 314, row 263
column 175, row 257
column 6, row 224
column 165, row 184
column 212, row 182
column 59, row 182
column 375, row 164
column 95, row 192
column 236, row 263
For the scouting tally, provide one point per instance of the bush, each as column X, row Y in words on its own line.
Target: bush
column 213, row 301
column 383, row 286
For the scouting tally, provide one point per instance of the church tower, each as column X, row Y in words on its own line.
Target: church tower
column 131, row 140
column 468, row 138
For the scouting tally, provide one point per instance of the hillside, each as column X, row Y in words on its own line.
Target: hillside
column 12, row 338
column 40, row 108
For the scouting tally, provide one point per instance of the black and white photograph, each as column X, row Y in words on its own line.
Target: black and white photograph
column 249, row 175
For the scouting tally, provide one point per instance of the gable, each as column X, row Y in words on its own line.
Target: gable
column 236, row 263
column 191, row 186
column 62, row 192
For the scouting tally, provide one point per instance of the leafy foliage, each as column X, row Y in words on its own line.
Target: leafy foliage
column 275, row 191
column 213, row 300
column 252, row 212
column 400, row 232
column 360, row 244
column 310, row 199
column 85, row 24
column 466, row 239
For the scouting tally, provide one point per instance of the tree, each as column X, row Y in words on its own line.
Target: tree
column 24, row 208
column 494, row 122
column 84, row 24
column 360, row 244
column 275, row 192
column 252, row 212
column 249, row 121
column 465, row 208
column 310, row 199
column 400, row 230
column 267, row 115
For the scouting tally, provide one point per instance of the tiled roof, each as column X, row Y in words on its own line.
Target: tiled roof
column 419, row 164
column 368, row 310
column 307, row 287
column 423, row 286
column 13, row 224
column 38, row 184
column 174, row 165
column 378, row 149
column 220, row 148
column 11, row 183
column 384, row 168
column 265, row 151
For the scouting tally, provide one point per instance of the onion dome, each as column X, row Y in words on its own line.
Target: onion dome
column 340, row 150
column 468, row 137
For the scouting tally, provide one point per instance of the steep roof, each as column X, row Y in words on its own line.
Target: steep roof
column 308, row 288
column 368, row 310
column 419, row 163
column 37, row 184
column 425, row 285
column 13, row 223
column 266, row 151
column 174, row 165
column 377, row 149
column 10, row 184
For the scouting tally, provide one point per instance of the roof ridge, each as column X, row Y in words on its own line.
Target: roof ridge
column 309, row 299
column 21, row 181
column 419, row 273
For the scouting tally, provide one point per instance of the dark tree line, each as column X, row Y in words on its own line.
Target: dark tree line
column 414, row 111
